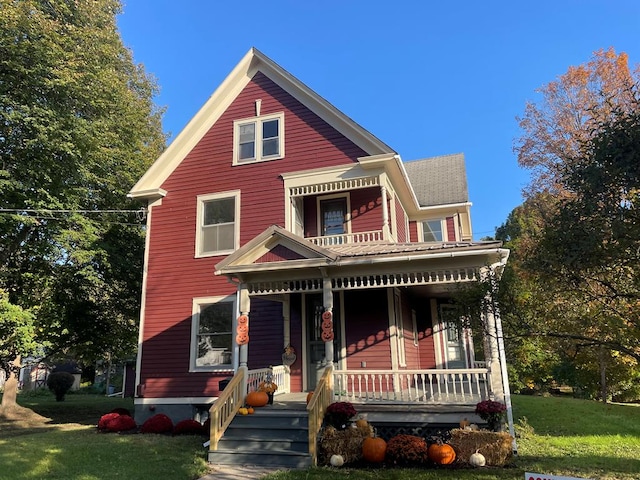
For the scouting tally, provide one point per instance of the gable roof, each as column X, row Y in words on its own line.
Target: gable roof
column 253, row 62
column 439, row 180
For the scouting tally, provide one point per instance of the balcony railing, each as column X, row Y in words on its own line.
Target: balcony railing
column 442, row 386
column 348, row 238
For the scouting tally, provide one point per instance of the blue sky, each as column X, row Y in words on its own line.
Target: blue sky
column 426, row 77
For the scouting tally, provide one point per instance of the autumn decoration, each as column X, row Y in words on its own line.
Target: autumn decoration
column 256, row 399
column 374, row 449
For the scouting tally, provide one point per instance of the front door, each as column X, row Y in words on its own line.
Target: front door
column 315, row 344
column 454, row 346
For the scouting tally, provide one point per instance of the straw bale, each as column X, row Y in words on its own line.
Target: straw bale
column 495, row 446
column 347, row 442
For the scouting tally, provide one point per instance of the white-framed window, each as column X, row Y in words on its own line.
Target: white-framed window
column 333, row 215
column 212, row 323
column 433, row 230
column 218, row 224
column 258, row 139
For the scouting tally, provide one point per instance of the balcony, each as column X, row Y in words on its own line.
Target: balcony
column 348, row 238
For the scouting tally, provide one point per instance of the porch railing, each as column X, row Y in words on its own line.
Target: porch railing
column 347, row 238
column 281, row 378
column 225, row 408
column 461, row 386
column 322, row 397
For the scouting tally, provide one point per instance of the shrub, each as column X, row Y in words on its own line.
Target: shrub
column 338, row 414
column 159, row 423
column 115, row 422
column 407, row 450
column 121, row 411
column 188, row 427
column 60, row 383
column 102, row 423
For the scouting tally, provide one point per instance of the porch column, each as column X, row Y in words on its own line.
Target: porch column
column 327, row 320
column 386, row 232
column 242, row 331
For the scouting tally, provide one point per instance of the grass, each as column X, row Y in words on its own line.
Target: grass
column 560, row 436
column 69, row 446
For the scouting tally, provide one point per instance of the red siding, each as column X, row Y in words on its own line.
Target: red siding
column 451, row 230
column 279, row 254
column 266, row 333
column 367, row 329
column 425, row 336
column 401, row 227
column 174, row 276
column 412, row 354
column 413, row 231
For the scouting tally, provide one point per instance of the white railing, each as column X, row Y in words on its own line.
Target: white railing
column 442, row 386
column 280, row 374
column 347, row 238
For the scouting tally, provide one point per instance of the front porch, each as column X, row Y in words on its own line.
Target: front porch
column 418, row 402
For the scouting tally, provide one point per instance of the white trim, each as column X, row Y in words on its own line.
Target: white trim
column 436, row 334
column 200, row 220
column 392, row 329
column 305, row 350
column 342, row 362
column 414, row 326
column 173, row 400
column 195, row 311
column 143, row 300
column 258, row 121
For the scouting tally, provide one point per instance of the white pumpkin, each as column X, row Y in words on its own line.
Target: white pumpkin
column 336, row 460
column 477, row 460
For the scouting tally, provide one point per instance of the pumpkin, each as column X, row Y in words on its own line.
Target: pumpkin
column 243, row 411
column 242, row 319
column 374, row 449
column 327, row 315
column 242, row 328
column 309, row 395
column 327, row 336
column 327, row 325
column 336, row 460
column 441, row 453
column 250, row 410
column 256, row 399
column 477, row 460
column 242, row 339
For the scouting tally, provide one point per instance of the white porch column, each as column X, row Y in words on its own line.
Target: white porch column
column 242, row 331
column 327, row 320
column 386, row 232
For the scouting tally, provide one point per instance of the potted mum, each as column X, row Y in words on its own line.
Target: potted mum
column 492, row 413
column 338, row 414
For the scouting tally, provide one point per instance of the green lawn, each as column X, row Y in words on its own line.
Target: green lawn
column 560, row 436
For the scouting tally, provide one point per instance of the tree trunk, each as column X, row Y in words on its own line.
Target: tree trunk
column 603, row 375
column 10, row 394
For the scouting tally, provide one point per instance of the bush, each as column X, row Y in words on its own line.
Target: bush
column 159, row 423
column 121, row 411
column 60, row 383
column 115, row 422
column 406, row 450
column 188, row 427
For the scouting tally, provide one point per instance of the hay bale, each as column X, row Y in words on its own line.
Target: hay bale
column 495, row 446
column 347, row 442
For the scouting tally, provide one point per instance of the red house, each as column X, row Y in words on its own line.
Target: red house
column 281, row 233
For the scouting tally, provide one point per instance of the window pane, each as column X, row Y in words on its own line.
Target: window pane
column 247, row 151
column 247, row 132
column 333, row 216
column 219, row 211
column 214, row 334
column 270, row 147
column 432, row 231
column 270, row 129
column 218, row 237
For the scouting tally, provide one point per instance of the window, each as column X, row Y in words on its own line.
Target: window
column 218, row 224
column 333, row 219
column 432, row 231
column 212, row 339
column 258, row 139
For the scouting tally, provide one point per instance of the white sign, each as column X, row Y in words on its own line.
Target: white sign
column 542, row 476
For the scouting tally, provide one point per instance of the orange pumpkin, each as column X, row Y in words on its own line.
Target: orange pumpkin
column 327, row 325
column 441, row 453
column 327, row 336
column 250, row 410
column 362, row 423
column 242, row 319
column 242, row 339
column 256, row 399
column 374, row 449
column 309, row 395
column 242, row 328
column 327, row 315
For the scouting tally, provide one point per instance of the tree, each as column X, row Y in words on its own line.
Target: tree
column 77, row 128
column 575, row 258
column 17, row 339
column 555, row 128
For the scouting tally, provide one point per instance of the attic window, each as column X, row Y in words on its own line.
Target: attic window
column 433, row 231
column 258, row 139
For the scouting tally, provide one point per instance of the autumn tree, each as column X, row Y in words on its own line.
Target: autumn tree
column 554, row 128
column 78, row 127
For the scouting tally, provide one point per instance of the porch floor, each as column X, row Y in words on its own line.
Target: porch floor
column 423, row 412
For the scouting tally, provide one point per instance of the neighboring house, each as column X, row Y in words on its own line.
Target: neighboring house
column 275, row 221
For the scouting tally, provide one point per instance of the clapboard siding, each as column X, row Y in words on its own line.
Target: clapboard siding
column 451, row 229
column 175, row 276
column 367, row 329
